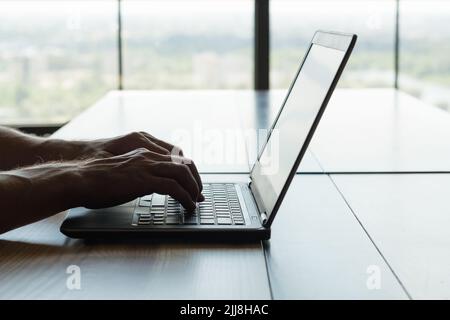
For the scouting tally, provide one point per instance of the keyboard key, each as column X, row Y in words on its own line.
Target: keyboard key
column 158, row 200
column 142, row 210
column 144, row 203
column 145, row 220
column 205, row 205
column 206, row 214
column 223, row 220
column 206, row 221
column 239, row 222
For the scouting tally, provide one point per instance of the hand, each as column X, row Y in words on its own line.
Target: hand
column 126, row 143
column 129, row 146
column 118, row 179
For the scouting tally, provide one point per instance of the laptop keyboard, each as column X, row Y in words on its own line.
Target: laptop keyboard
column 221, row 207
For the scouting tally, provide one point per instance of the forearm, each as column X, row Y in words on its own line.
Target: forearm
column 31, row 194
column 19, row 150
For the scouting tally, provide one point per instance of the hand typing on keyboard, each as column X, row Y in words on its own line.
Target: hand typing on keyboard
column 93, row 174
column 114, row 180
column 221, row 207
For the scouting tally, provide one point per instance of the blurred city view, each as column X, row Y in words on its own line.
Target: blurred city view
column 58, row 57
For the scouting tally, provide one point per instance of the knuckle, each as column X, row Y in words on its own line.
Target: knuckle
column 137, row 137
column 144, row 133
column 135, row 134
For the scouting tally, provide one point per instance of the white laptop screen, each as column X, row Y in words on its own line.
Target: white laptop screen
column 290, row 132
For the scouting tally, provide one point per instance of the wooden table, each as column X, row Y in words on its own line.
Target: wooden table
column 334, row 230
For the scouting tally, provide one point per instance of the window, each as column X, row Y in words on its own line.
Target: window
column 56, row 58
column 188, row 44
column 293, row 22
column 425, row 50
column 59, row 57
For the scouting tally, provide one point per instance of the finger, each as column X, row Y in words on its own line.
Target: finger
column 151, row 146
column 175, row 190
column 170, row 147
column 180, row 160
column 181, row 174
column 191, row 165
column 140, row 140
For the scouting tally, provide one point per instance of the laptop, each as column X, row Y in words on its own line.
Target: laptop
column 236, row 211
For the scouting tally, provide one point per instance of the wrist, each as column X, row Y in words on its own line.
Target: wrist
column 56, row 185
column 74, row 191
column 58, row 150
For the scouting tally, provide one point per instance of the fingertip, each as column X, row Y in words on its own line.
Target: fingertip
column 192, row 206
column 201, row 198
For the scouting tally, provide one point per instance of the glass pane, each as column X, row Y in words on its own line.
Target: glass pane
column 293, row 24
column 188, row 44
column 56, row 58
column 425, row 50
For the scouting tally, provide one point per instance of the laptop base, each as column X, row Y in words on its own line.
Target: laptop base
column 188, row 234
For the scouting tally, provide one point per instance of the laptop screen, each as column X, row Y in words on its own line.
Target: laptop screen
column 290, row 132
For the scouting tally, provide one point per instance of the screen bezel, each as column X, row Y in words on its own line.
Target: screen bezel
column 334, row 40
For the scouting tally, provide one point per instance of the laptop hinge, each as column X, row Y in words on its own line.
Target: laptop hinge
column 263, row 218
column 262, row 213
